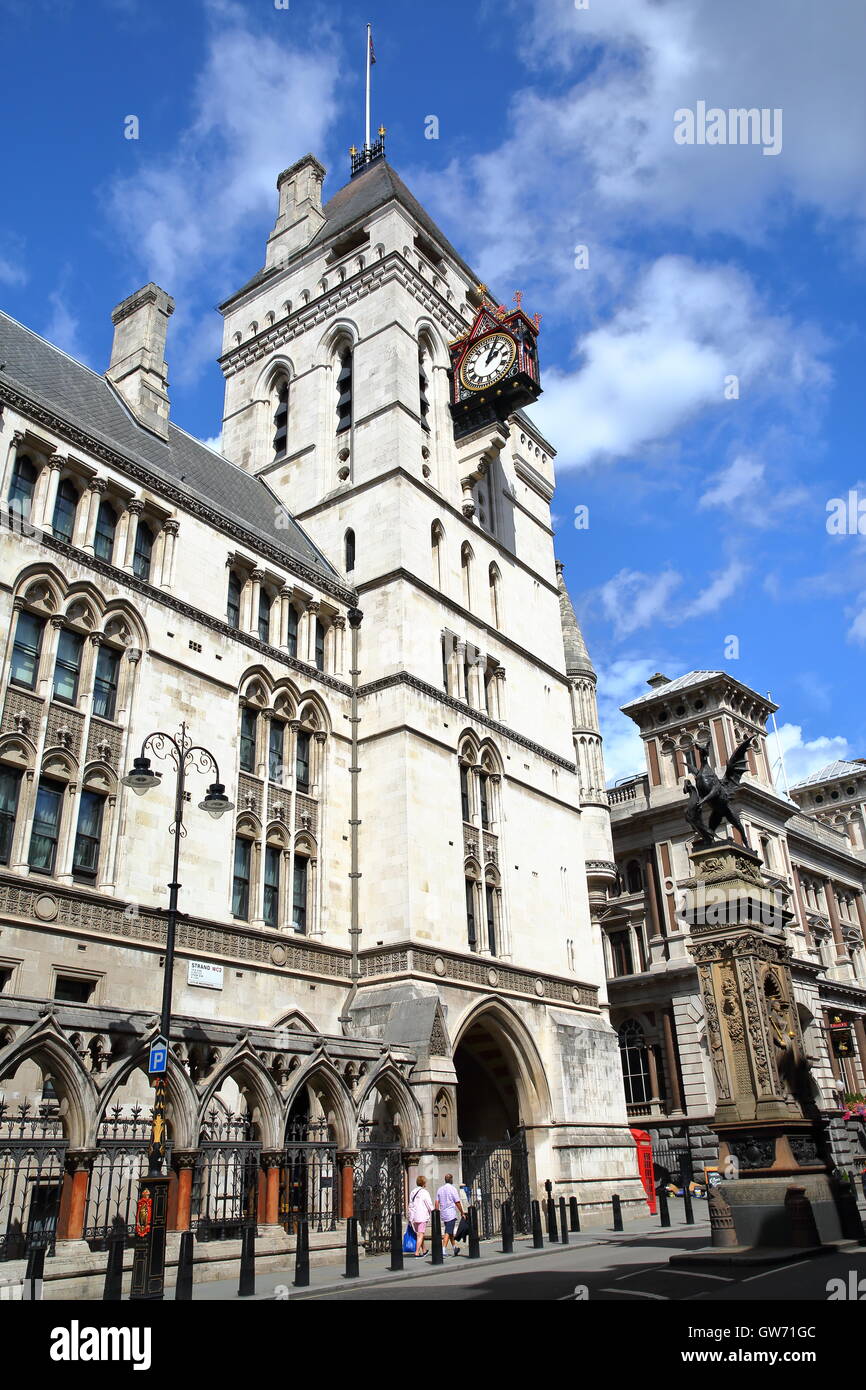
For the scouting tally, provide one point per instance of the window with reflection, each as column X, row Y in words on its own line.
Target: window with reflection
column 106, row 528
column 241, row 878
column 67, row 666
column 10, row 790
column 26, row 650
column 85, row 857
column 143, row 552
column 46, row 827
column 22, row 486
column 300, row 887
column 105, row 682
column 63, row 521
column 249, row 718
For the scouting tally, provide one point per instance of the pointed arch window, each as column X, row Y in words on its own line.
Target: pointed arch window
column 300, row 889
column 483, row 779
column 46, row 827
column 465, row 802
column 10, row 789
column 67, row 666
column 143, row 552
column 490, row 908
column 249, row 721
column 350, row 551
column 88, row 835
column 106, row 527
column 241, row 878
column 105, row 682
column 495, row 583
column 273, row 870
column 471, row 925
column 344, row 390
column 276, row 750
column 233, row 601
column 437, row 546
column 281, row 417
column 466, row 558
column 27, row 650
column 302, row 761
column 63, row 521
column 22, row 486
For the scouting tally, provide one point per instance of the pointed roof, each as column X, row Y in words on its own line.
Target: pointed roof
column 363, row 195
column 577, row 660
column 842, row 767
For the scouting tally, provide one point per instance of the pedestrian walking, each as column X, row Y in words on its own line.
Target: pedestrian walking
column 420, row 1207
column 450, row 1207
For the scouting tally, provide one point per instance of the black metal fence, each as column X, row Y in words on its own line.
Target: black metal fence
column 225, row 1181
column 379, row 1186
column 497, row 1172
column 32, row 1166
column 121, row 1160
column 310, row 1179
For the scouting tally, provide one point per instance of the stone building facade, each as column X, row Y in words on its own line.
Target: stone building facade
column 390, row 959
column 811, row 842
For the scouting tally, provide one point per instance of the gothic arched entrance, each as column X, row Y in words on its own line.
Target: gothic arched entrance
column 490, row 1125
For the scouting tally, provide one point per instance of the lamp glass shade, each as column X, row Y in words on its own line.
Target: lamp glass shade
column 216, row 803
column 142, row 777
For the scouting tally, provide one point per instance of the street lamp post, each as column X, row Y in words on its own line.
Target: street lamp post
column 148, row 1269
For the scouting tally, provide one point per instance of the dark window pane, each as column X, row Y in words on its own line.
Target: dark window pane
column 489, row 894
column 27, row 649
column 46, row 828
column 276, row 744
column 320, row 645
column 248, row 740
column 299, row 894
column 464, row 793
column 10, row 786
column 241, row 880
column 105, row 683
column 470, row 914
column 233, row 603
column 264, row 617
column 273, row 859
column 281, row 420
column 67, row 665
column 143, row 551
column 344, row 393
column 293, row 630
column 63, row 521
column 22, row 487
column 302, row 762
column 350, row 551
column 73, row 990
column 85, row 859
column 106, row 525
column 485, row 806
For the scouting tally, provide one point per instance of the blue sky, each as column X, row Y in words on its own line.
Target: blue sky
column 707, row 512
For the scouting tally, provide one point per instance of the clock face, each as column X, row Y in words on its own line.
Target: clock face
column 487, row 361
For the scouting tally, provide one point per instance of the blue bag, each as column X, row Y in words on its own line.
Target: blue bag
column 409, row 1241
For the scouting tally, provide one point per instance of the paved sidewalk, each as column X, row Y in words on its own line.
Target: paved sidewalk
column 375, row 1270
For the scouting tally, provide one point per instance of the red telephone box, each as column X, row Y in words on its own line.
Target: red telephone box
column 644, row 1145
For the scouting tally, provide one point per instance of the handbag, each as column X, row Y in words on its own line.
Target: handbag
column 409, row 1241
column 462, row 1230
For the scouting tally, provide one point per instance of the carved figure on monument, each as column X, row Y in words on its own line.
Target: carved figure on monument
column 714, row 793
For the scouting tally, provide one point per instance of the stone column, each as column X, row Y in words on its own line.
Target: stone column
column 285, row 602
column 183, row 1163
column 655, row 1100
column 669, row 1032
column 169, row 547
column 134, row 509
column 54, row 468
column 96, row 487
column 310, row 632
column 657, row 939
column 339, row 626
column 255, row 594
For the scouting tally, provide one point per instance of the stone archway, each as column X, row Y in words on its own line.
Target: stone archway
column 488, row 1104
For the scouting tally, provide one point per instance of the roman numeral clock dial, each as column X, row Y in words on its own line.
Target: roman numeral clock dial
column 487, row 361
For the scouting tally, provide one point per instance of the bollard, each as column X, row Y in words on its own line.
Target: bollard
column 507, row 1229
column 183, row 1283
column 436, row 1238
column 112, row 1291
column 616, row 1204
column 574, row 1213
column 247, row 1280
column 552, row 1233
column 352, row 1268
column 687, row 1206
column 563, row 1222
column 474, row 1251
column 686, row 1175
column 537, row 1233
column 664, row 1209
column 302, row 1255
column 34, row 1273
column 801, row 1219
column 845, row 1199
column 396, row 1242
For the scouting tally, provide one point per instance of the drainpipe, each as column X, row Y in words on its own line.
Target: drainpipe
column 354, row 615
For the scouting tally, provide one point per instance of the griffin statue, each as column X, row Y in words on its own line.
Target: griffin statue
column 714, row 793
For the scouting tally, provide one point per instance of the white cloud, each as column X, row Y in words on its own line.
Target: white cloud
column 804, row 756
column 618, row 683
column 64, row 327
column 11, row 272
column 632, row 600
column 720, row 588
column 663, row 358
column 738, row 480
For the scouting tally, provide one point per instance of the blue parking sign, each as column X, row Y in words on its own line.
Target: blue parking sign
column 158, row 1062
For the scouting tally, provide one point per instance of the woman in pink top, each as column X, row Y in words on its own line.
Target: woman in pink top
column 420, row 1207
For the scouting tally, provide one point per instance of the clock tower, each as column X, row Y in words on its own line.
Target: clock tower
column 494, row 367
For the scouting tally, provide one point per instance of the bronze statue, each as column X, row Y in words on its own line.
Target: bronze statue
column 714, row 792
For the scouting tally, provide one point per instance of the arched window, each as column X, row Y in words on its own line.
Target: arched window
column 471, row 918
column 46, row 827
column 491, row 914
column 320, row 645
column 465, row 800
column 63, row 521
column 633, row 876
column 281, row 417
column 67, row 666
column 143, row 551
column 437, row 547
column 241, row 877
column 349, row 544
column 249, row 721
column 88, row 835
column 495, row 582
column 302, row 761
column 344, row 390
column 233, row 602
column 273, row 873
column 106, row 526
column 10, row 788
column 423, row 387
column 22, row 486
column 264, row 616
column 105, row 682
column 635, row 1065
column 300, row 892
column 484, row 801
column 466, row 558
column 276, row 751
column 27, row 650
column 293, row 630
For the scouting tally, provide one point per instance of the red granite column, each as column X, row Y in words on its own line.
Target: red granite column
column 346, row 1164
column 269, row 1208
column 183, row 1164
column 74, row 1199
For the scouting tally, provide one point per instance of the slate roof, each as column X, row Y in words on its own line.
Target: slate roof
column 681, row 683
column 85, row 399
column 363, row 195
column 839, row 768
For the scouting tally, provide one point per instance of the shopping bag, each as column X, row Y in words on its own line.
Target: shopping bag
column 462, row 1230
column 409, row 1241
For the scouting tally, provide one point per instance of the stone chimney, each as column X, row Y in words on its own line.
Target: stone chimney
column 300, row 215
column 138, row 368
column 657, row 680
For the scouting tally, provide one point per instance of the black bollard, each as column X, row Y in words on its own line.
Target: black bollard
column 563, row 1222
column 396, row 1242
column 474, row 1251
column 507, row 1229
column 34, row 1273
column 616, row 1204
column 352, row 1268
column 664, row 1209
column 687, row 1205
column 436, row 1238
column 574, row 1213
column 112, row 1291
column 183, row 1283
column 302, row 1255
column 552, row 1233
column 537, row 1233
column 247, row 1280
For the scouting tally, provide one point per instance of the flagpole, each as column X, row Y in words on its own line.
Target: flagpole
column 367, row 107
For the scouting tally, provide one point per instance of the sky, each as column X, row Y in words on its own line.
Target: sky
column 702, row 340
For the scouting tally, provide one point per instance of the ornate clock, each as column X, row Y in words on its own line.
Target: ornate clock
column 494, row 368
